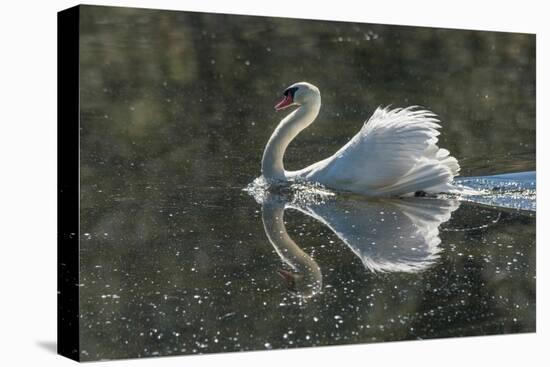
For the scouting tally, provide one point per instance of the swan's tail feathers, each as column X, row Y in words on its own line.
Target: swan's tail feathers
column 435, row 168
column 420, row 179
column 434, row 174
column 444, row 157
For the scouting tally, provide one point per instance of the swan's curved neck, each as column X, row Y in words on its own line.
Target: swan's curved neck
column 289, row 127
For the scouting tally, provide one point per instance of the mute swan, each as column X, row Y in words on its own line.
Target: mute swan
column 395, row 152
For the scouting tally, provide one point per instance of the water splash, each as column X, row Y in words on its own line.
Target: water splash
column 513, row 190
column 299, row 192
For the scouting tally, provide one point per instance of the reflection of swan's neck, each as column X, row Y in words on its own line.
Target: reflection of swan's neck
column 289, row 127
column 310, row 280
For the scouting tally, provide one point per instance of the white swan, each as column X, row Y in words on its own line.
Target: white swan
column 394, row 153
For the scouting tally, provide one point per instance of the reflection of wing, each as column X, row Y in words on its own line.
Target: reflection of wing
column 387, row 235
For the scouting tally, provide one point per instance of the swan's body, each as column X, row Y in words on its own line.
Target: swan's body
column 395, row 152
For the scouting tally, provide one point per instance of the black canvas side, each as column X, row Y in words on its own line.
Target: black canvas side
column 68, row 183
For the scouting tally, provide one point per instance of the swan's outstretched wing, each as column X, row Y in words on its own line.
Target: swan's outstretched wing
column 395, row 153
column 387, row 235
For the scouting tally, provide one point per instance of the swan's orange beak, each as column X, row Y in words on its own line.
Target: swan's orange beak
column 286, row 102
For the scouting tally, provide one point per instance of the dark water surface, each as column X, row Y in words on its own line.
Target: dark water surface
column 175, row 111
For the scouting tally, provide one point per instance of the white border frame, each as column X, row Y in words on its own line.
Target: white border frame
column 28, row 185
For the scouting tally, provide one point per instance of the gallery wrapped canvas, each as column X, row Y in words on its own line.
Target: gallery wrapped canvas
column 389, row 195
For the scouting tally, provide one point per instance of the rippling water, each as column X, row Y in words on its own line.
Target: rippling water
column 515, row 190
column 178, row 257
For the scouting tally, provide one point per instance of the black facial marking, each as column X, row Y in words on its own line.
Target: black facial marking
column 290, row 91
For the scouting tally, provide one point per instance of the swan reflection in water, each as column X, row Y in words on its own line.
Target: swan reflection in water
column 388, row 235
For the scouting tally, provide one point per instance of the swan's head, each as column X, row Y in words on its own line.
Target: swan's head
column 299, row 94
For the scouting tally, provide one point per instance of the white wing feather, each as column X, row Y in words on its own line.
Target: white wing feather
column 395, row 153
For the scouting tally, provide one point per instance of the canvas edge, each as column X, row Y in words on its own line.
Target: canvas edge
column 68, row 185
